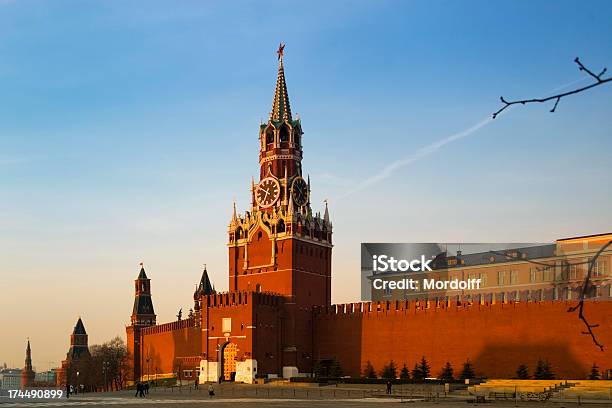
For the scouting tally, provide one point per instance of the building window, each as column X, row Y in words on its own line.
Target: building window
column 573, row 271
column 547, row 274
column 599, row 268
column 483, row 280
column 269, row 136
column 533, row 275
column 513, row 277
column 501, row 278
column 226, row 325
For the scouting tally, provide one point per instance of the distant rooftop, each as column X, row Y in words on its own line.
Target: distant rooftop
column 587, row 237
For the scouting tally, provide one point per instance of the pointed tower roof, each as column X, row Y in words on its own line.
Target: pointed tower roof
column 27, row 374
column 28, row 358
column 326, row 214
column 234, row 213
column 142, row 274
column 205, row 288
column 79, row 328
column 281, row 110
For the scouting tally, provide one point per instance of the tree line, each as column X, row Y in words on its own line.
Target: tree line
column 107, row 367
column 331, row 368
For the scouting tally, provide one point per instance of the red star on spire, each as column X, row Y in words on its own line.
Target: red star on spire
column 281, row 51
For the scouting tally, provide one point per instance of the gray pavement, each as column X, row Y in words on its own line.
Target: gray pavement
column 303, row 399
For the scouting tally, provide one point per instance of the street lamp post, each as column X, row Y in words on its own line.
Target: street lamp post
column 105, row 366
column 76, row 389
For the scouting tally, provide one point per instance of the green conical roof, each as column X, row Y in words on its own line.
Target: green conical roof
column 281, row 109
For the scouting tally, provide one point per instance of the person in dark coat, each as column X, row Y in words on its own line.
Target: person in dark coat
column 389, row 387
column 137, row 389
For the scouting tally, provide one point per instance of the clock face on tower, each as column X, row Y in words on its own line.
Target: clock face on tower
column 299, row 191
column 268, row 191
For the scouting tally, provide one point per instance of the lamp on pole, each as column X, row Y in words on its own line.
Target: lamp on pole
column 76, row 389
column 105, row 367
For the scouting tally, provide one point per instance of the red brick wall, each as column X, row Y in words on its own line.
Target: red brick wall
column 166, row 344
column 496, row 338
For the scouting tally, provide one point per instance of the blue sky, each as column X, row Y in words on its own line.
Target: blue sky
column 127, row 129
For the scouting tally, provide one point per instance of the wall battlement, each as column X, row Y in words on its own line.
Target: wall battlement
column 448, row 304
column 168, row 327
column 229, row 299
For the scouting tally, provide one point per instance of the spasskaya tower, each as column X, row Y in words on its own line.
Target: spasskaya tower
column 280, row 245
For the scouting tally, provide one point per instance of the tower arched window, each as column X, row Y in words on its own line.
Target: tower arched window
column 280, row 227
column 284, row 134
column 269, row 136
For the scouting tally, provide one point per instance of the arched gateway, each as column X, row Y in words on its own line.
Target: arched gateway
column 227, row 357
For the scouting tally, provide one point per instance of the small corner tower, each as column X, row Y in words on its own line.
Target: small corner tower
column 27, row 375
column 143, row 315
column 78, row 342
column 78, row 355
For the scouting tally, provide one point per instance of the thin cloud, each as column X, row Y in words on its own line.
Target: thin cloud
column 7, row 161
column 432, row 148
column 419, row 154
column 574, row 82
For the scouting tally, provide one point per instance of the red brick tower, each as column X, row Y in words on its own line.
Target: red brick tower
column 279, row 245
column 77, row 358
column 27, row 375
column 143, row 315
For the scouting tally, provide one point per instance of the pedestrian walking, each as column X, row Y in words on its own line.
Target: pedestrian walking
column 137, row 389
column 389, row 385
column 211, row 391
column 196, row 382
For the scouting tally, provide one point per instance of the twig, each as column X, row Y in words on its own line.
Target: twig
column 583, row 292
column 598, row 78
column 580, row 306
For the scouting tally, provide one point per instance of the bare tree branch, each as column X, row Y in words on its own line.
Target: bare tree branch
column 585, row 285
column 580, row 306
column 598, row 81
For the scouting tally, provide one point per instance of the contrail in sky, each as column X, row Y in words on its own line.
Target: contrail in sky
column 429, row 149
column 419, row 154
